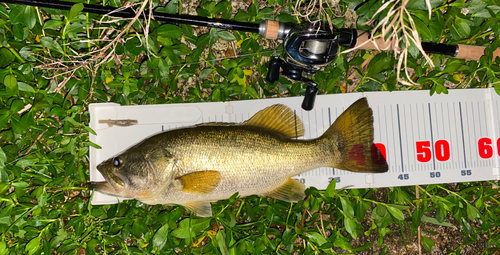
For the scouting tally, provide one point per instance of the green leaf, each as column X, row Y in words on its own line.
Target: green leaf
column 423, row 29
column 52, row 24
column 452, row 66
column 4, row 14
column 330, row 190
column 3, row 158
column 343, row 244
column 4, row 177
column 221, row 6
column 3, row 247
column 138, row 228
column 251, row 91
column 205, row 73
column 317, row 238
column 221, row 242
column 10, row 82
column 51, row 44
column 226, row 35
column 229, row 63
column 347, row 207
column 26, row 87
column 350, row 226
column 33, row 245
column 395, row 212
column 460, row 29
column 288, row 239
column 435, row 221
column 266, row 13
column 189, row 228
column 377, row 64
column 90, row 130
column 6, row 57
column 428, row 243
column 421, row 5
column 170, row 30
column 42, row 198
column 16, row 15
column 472, row 212
column 172, row 7
column 30, row 16
column 160, row 237
column 203, row 40
column 75, row 10
column 134, row 46
column 497, row 87
column 216, row 95
column 94, row 145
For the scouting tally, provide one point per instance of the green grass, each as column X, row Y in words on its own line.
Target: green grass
column 47, row 80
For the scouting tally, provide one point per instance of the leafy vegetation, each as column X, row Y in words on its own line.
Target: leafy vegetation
column 54, row 63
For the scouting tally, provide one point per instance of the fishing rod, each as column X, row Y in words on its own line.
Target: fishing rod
column 307, row 47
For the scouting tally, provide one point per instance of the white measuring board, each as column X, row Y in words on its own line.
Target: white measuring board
column 426, row 139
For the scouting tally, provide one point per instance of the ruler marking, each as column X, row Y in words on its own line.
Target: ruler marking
column 407, row 140
column 449, row 165
column 463, row 138
column 432, row 136
column 412, row 137
column 475, row 162
column 400, row 143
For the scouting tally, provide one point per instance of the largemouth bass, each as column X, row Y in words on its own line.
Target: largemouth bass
column 209, row 162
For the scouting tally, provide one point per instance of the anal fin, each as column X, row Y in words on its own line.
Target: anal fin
column 200, row 208
column 291, row 191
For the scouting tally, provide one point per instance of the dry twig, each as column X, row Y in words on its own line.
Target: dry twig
column 398, row 30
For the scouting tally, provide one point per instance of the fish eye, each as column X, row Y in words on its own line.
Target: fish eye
column 117, row 161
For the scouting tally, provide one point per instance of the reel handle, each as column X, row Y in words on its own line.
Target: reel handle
column 273, row 73
column 310, row 96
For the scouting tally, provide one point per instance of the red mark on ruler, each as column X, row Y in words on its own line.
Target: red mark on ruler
column 442, row 149
column 485, row 148
column 379, row 154
column 424, row 152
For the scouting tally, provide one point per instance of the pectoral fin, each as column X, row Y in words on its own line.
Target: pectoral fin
column 201, row 182
column 291, row 191
column 201, row 208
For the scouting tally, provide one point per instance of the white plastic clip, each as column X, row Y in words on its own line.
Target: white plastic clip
column 369, row 178
column 496, row 172
column 229, row 109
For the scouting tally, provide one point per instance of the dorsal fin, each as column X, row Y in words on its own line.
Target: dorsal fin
column 279, row 118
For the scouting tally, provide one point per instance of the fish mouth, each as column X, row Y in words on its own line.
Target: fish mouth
column 103, row 187
column 114, row 184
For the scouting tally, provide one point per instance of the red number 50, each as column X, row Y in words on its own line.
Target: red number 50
column 441, row 148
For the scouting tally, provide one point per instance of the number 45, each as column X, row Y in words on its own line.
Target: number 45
column 403, row 176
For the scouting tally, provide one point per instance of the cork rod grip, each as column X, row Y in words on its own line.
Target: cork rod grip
column 363, row 42
column 467, row 52
column 272, row 29
column 470, row 52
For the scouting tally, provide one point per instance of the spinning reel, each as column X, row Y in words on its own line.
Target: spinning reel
column 307, row 49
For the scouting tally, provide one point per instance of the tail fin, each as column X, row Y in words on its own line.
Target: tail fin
column 352, row 132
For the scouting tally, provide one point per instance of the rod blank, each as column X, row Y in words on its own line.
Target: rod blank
column 158, row 16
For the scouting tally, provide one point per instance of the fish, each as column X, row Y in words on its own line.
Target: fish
column 197, row 165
